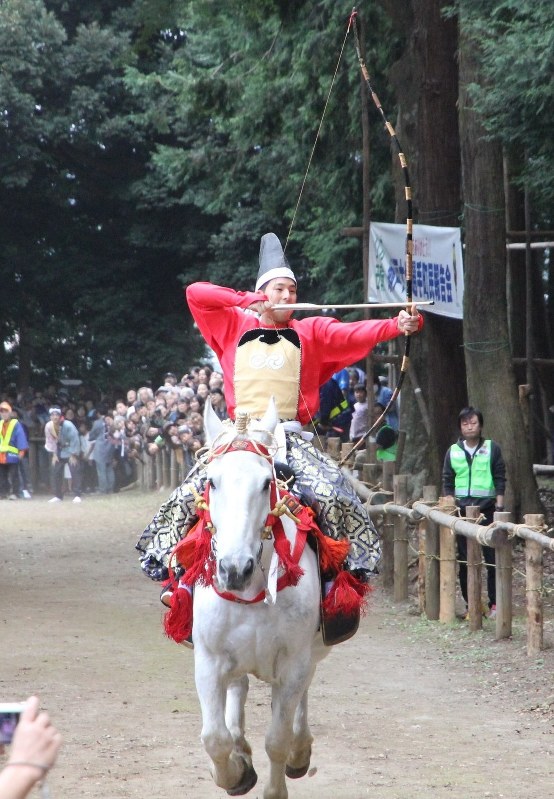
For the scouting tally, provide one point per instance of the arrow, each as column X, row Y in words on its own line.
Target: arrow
column 310, row 306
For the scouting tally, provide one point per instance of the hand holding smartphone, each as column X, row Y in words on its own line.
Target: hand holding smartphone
column 10, row 713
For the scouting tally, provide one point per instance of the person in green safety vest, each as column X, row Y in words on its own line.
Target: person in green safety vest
column 474, row 473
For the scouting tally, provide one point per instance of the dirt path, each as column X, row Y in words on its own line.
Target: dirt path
column 406, row 709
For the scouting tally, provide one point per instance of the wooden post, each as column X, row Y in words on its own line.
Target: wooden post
column 400, row 482
column 447, row 613
column 164, row 460
column 173, row 470
column 371, row 450
column 504, row 570
column 149, row 464
column 387, row 543
column 140, row 474
column 429, row 559
column 533, row 584
column 33, row 463
column 474, row 575
column 344, row 450
column 368, row 473
column 333, row 447
column 388, row 475
column 401, row 442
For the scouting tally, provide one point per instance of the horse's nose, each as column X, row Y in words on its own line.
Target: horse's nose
column 233, row 574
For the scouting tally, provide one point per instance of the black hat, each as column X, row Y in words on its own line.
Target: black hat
column 272, row 261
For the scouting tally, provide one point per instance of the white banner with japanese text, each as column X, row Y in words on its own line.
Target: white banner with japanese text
column 437, row 266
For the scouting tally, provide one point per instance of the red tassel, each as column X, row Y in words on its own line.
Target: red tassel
column 193, row 554
column 347, row 597
column 178, row 619
column 331, row 553
column 282, row 547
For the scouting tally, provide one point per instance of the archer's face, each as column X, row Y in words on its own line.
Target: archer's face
column 280, row 291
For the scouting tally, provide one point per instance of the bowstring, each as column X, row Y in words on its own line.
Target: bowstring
column 310, row 159
column 300, row 193
column 391, row 131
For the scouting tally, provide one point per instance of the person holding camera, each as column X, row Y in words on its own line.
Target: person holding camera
column 33, row 752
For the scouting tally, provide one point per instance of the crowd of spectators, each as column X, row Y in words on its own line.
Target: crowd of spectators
column 116, row 432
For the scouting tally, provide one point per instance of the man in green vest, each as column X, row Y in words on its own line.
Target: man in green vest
column 474, row 474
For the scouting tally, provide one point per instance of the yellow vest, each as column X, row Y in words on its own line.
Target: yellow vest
column 5, row 445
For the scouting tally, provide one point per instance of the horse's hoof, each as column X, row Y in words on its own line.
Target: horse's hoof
column 296, row 773
column 249, row 779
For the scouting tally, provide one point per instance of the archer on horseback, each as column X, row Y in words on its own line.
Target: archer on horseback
column 270, row 354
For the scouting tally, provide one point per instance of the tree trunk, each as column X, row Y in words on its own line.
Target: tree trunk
column 490, row 376
column 25, row 354
column 426, row 85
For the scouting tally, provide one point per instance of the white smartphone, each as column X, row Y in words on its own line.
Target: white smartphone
column 9, row 718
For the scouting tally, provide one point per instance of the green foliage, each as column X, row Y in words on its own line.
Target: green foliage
column 146, row 144
column 516, row 42
column 244, row 96
column 79, row 283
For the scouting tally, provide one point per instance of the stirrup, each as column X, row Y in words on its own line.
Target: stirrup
column 339, row 628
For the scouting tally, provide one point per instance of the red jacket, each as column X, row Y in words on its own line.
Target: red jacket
column 326, row 345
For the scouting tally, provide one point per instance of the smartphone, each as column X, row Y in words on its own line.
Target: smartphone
column 9, row 718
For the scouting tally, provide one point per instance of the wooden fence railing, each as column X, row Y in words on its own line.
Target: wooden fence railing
column 434, row 533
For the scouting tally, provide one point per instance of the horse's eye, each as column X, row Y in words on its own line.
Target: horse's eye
column 267, row 484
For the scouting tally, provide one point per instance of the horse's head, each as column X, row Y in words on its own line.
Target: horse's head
column 240, row 473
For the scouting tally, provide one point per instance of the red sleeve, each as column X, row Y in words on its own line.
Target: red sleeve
column 347, row 342
column 209, row 297
column 218, row 311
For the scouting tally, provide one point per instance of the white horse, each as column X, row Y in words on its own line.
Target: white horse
column 275, row 638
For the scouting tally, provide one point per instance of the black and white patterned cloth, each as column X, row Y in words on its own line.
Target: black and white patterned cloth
column 319, row 483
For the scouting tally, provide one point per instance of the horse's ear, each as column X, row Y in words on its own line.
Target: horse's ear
column 212, row 423
column 270, row 417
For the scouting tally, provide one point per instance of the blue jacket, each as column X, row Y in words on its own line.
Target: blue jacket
column 16, row 439
column 69, row 442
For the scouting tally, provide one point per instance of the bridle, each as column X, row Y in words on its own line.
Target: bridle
column 285, row 556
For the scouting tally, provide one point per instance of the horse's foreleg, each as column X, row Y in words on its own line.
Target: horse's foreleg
column 235, row 716
column 285, row 699
column 230, row 769
column 300, row 752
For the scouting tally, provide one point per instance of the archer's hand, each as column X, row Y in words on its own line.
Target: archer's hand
column 260, row 307
column 409, row 322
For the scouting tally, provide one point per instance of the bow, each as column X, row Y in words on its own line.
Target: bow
column 352, row 23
